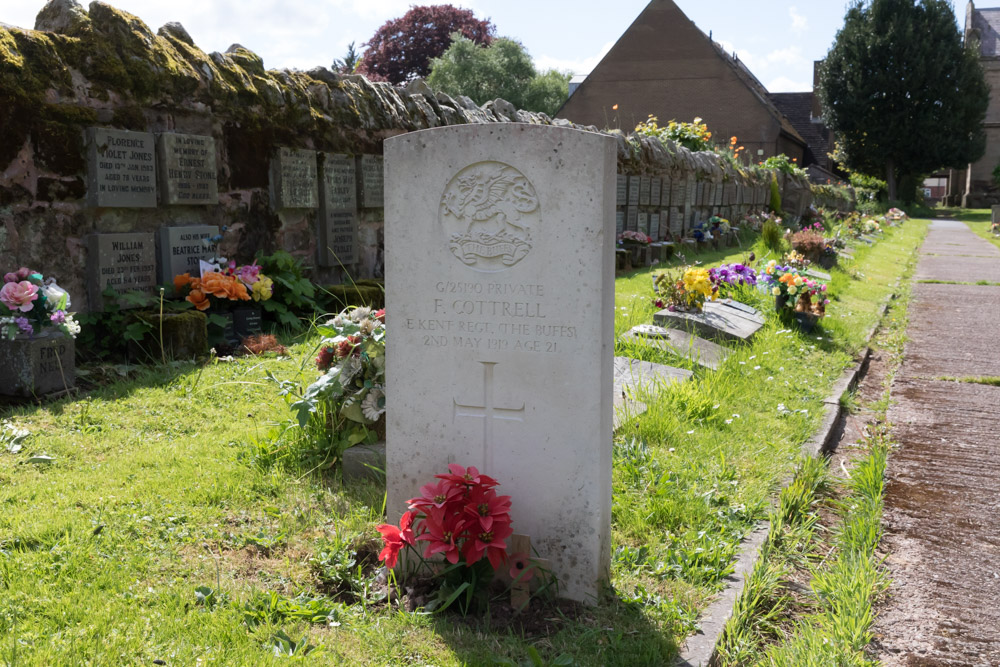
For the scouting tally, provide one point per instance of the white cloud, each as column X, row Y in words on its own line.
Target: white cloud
column 748, row 58
column 791, row 56
column 783, row 84
column 799, row 22
column 580, row 66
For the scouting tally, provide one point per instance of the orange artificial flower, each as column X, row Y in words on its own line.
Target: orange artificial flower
column 788, row 278
column 185, row 280
column 198, row 298
column 237, row 290
column 732, row 140
column 214, row 283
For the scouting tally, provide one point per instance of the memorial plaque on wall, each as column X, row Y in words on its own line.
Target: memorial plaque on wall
column 372, row 181
column 642, row 222
column 665, row 192
column 293, row 179
column 654, row 226
column 678, row 193
column 619, row 222
column 337, row 241
column 121, row 168
column 644, row 182
column 676, row 226
column 124, row 262
column 664, row 223
column 655, row 190
column 622, row 196
column 187, row 169
column 631, row 219
column 180, row 249
column 633, row 190
column 699, row 194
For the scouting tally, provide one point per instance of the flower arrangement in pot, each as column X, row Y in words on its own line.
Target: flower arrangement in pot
column 630, row 238
column 687, row 292
column 729, row 277
column 221, row 288
column 352, row 386
column 793, row 291
column 464, row 526
column 32, row 305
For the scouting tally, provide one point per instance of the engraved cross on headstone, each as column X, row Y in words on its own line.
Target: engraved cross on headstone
column 488, row 412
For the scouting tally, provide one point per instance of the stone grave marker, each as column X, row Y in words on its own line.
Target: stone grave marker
column 125, row 262
column 655, row 191
column 634, row 377
column 38, row 365
column 994, row 213
column 678, row 193
column 619, row 222
column 502, row 351
column 633, row 190
column 180, row 249
column 676, row 223
column 337, row 241
column 372, row 181
column 621, row 198
column 643, row 222
column 683, row 344
column 699, row 194
column 719, row 321
column 632, row 219
column 644, row 185
column 665, row 192
column 121, row 168
column 654, row 226
column 293, row 179
column 187, row 169
column 818, row 275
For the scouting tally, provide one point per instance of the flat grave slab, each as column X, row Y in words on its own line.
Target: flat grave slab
column 683, row 344
column 818, row 275
column 632, row 375
column 719, row 321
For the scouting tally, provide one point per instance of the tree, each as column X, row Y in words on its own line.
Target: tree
column 902, row 93
column 402, row 49
column 502, row 69
column 349, row 62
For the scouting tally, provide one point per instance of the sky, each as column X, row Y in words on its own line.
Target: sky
column 777, row 39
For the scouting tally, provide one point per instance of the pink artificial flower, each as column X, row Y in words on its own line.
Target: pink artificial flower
column 19, row 296
column 248, row 273
column 10, row 277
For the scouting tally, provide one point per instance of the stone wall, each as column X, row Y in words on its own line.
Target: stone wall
column 103, row 68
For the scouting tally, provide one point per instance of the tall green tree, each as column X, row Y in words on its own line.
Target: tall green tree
column 349, row 62
column 902, row 93
column 501, row 69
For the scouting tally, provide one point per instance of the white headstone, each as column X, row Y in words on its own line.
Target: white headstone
column 500, row 302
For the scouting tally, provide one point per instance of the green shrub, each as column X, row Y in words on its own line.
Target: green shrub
column 770, row 236
column 775, row 203
column 294, row 296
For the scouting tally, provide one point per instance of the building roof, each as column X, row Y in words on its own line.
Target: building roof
column 664, row 65
column 986, row 23
column 797, row 108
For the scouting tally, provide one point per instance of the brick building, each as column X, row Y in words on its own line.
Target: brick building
column 666, row 66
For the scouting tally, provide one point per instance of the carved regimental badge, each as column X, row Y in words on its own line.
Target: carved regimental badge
column 489, row 208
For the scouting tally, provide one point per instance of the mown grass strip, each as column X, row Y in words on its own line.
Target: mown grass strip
column 175, row 479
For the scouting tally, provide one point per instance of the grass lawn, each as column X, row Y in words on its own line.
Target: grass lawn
column 171, row 525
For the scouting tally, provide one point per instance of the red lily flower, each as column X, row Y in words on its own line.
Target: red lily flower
column 491, row 542
column 442, row 537
column 485, row 505
column 468, row 476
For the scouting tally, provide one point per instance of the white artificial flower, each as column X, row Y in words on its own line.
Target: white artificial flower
column 370, row 407
column 54, row 293
column 360, row 314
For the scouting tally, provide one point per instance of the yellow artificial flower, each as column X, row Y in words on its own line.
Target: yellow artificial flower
column 262, row 288
column 792, row 289
column 775, row 291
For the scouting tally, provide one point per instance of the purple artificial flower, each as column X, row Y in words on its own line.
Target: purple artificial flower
column 24, row 325
column 58, row 317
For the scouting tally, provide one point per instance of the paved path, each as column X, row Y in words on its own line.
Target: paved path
column 943, row 493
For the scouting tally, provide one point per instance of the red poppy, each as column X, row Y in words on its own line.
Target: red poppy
column 521, row 568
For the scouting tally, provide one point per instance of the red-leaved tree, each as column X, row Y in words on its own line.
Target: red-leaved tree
column 402, row 49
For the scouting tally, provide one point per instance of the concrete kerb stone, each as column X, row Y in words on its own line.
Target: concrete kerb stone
column 699, row 650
